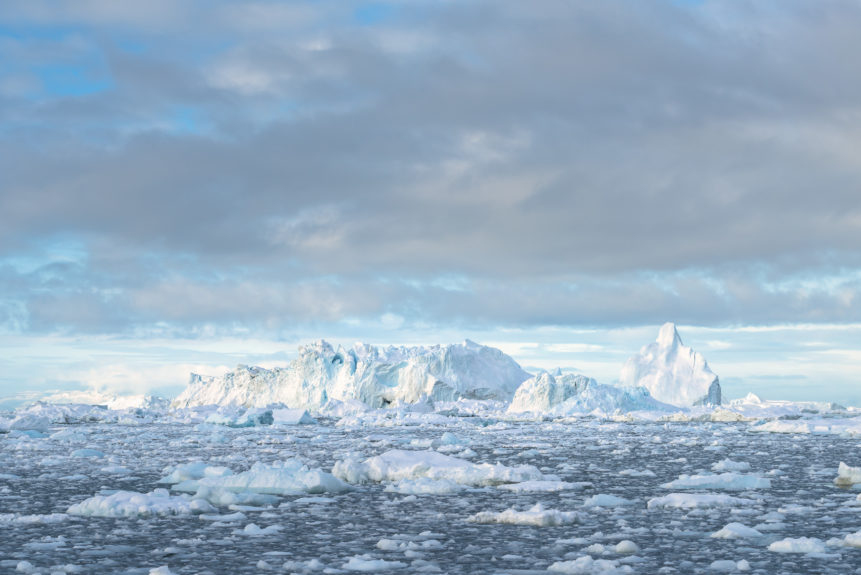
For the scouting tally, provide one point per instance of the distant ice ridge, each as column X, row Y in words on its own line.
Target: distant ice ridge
column 570, row 394
column 672, row 372
column 377, row 376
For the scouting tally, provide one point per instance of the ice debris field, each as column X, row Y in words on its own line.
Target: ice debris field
column 447, row 459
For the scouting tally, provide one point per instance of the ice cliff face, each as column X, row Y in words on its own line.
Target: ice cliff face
column 672, row 372
column 571, row 394
column 377, row 376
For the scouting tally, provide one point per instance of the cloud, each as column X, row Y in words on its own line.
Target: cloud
column 586, row 164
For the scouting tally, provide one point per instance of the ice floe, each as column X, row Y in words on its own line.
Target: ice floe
column 726, row 481
column 288, row 477
column 131, row 504
column 798, row 545
column 736, row 531
column 693, row 500
column 536, row 515
column 397, row 464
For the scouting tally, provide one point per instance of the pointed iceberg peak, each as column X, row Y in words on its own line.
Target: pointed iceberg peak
column 669, row 336
column 672, row 372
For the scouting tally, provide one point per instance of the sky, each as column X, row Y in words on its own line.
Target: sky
column 188, row 185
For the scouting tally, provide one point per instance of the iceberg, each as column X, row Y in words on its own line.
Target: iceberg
column 672, row 372
column 570, row 394
column 376, row 376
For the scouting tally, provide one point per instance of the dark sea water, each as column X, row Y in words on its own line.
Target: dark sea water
column 43, row 476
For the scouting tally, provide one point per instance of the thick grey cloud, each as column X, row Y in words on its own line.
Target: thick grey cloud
column 565, row 162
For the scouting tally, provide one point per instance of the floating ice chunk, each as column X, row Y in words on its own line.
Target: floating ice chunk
column 587, row 566
column 539, row 485
column 536, row 515
column 727, row 481
column 625, row 547
column 736, row 531
column 424, row 486
column 729, row 566
column 853, row 539
column 730, row 465
column 292, row 417
column 25, row 567
column 131, row 503
column 798, row 545
column 408, row 545
column 289, row 477
column 193, row 470
column 847, row 475
column 605, row 500
column 398, row 464
column 254, row 530
column 163, row 570
column 693, row 500
column 368, row 564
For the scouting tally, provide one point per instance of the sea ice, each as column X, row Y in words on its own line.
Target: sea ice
column 193, row 470
column 736, row 531
column 693, row 500
column 424, row 486
column 131, row 504
column 729, row 566
column 288, row 477
column 398, row 464
column 545, row 486
column 368, row 564
column 726, row 481
column 537, row 515
column 798, row 545
column 847, row 475
column 730, row 465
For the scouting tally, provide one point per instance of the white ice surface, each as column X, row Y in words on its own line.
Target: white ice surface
column 398, row 464
column 131, row 504
column 536, row 515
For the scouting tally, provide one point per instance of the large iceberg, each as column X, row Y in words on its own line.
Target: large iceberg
column 377, row 376
column 570, row 394
column 672, row 372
